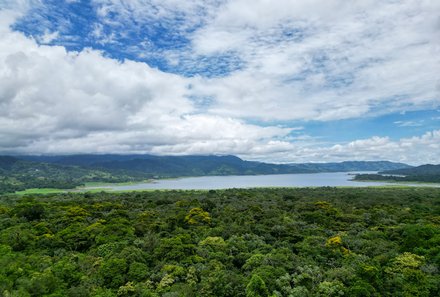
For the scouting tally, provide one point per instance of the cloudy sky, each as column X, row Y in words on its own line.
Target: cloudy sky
column 277, row 81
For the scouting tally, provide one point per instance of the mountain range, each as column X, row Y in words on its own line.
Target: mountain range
column 427, row 169
column 206, row 165
column 427, row 173
column 69, row 171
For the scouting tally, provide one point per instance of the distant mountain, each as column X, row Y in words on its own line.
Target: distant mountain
column 69, row 171
column 425, row 173
column 17, row 174
column 167, row 166
column 427, row 169
column 347, row 166
column 172, row 166
column 6, row 163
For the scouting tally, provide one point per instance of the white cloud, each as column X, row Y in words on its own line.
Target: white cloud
column 409, row 123
column 300, row 60
column 325, row 59
column 413, row 150
column 48, row 37
column 181, row 15
column 54, row 101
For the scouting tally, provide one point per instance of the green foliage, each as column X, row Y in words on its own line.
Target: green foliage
column 17, row 175
column 43, row 174
column 30, row 210
column 427, row 169
column 197, row 216
column 256, row 287
column 423, row 174
column 113, row 272
column 255, row 242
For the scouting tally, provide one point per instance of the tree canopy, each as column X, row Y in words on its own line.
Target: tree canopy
column 253, row 242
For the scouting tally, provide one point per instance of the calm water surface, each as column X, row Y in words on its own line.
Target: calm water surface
column 332, row 179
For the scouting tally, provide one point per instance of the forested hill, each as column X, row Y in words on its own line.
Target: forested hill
column 352, row 166
column 22, row 172
column 424, row 173
column 172, row 166
column 427, row 169
column 17, row 174
column 208, row 165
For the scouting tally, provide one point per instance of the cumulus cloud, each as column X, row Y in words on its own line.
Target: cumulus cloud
column 298, row 60
column 325, row 60
column 413, row 150
column 240, row 71
column 54, row 101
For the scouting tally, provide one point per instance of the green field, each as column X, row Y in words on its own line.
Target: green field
column 40, row 191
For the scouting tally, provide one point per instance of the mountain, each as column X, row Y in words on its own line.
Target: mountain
column 427, row 169
column 172, row 166
column 425, row 173
column 6, row 163
column 352, row 166
column 69, row 171
column 17, row 174
column 168, row 166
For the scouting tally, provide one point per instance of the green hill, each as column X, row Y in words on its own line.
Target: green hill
column 425, row 173
column 207, row 165
column 17, row 175
column 172, row 166
column 23, row 172
column 427, row 169
column 347, row 166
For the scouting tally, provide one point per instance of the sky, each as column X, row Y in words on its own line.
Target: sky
column 275, row 81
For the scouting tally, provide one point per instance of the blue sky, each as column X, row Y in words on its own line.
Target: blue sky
column 80, row 26
column 290, row 81
column 394, row 125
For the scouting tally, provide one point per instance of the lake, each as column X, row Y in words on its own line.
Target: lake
column 333, row 179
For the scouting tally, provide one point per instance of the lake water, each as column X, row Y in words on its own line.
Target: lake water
column 333, row 179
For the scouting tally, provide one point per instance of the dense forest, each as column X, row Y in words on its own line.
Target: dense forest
column 172, row 166
column 17, row 175
column 347, row 166
column 425, row 173
column 197, row 165
column 237, row 242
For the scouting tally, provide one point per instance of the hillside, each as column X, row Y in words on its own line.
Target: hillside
column 22, row 172
column 427, row 169
column 347, row 166
column 425, row 173
column 172, row 166
column 17, row 174
column 208, row 165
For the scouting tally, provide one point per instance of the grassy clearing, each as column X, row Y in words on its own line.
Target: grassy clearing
column 103, row 184
column 40, row 191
